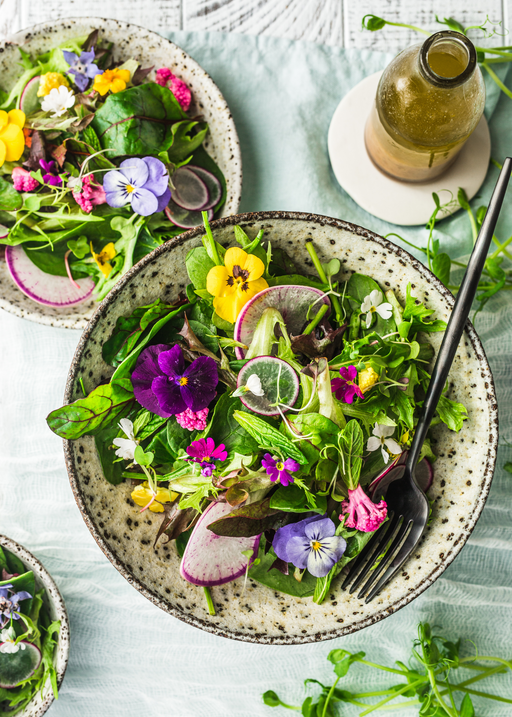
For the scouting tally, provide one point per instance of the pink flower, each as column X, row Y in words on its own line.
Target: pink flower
column 363, row 514
column 180, row 90
column 345, row 388
column 23, row 182
column 90, row 195
column 193, row 420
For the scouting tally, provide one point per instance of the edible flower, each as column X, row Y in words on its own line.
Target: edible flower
column 114, row 80
column 87, row 193
column 50, row 175
column 278, row 469
column 235, row 283
column 253, row 386
column 193, row 420
column 205, row 452
column 381, row 439
column 82, row 68
column 362, row 513
column 104, row 258
column 12, row 139
column 51, row 81
column 59, row 100
column 144, row 183
column 367, row 378
column 345, row 388
column 142, row 495
column 10, row 603
column 8, row 644
column 22, row 180
column 126, row 446
column 311, row 543
column 374, row 303
column 165, row 385
column 179, row 89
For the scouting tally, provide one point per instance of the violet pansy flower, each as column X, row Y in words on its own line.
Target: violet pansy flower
column 50, row 175
column 345, row 388
column 143, row 183
column 82, row 68
column 278, row 469
column 311, row 543
column 164, row 384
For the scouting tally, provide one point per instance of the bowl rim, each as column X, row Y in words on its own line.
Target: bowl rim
column 75, row 320
column 427, row 581
column 60, row 606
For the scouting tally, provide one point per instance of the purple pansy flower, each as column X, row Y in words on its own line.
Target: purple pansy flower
column 311, row 543
column 278, row 469
column 144, row 183
column 50, row 176
column 10, row 604
column 204, row 452
column 82, row 68
column 345, row 388
column 164, row 384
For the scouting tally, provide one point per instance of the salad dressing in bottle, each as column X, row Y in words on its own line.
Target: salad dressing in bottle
column 429, row 100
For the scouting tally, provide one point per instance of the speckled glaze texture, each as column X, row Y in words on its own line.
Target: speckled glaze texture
column 151, row 49
column 57, row 611
column 463, row 472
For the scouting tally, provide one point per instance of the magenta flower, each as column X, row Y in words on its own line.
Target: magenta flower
column 164, row 384
column 51, row 176
column 345, row 388
column 88, row 194
column 180, row 90
column 278, row 469
column 363, row 514
column 204, row 452
column 22, row 180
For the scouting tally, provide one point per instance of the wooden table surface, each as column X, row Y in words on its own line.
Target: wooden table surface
column 332, row 22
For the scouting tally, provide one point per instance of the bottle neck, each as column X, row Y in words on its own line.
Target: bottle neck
column 447, row 59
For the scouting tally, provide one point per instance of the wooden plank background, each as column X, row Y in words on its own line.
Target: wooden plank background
column 332, row 22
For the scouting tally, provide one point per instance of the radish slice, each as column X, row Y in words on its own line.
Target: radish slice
column 184, row 218
column 4, row 232
column 279, row 382
column 190, row 192
column 42, row 287
column 211, row 559
column 293, row 302
column 212, row 183
column 424, row 475
column 29, row 101
column 18, row 666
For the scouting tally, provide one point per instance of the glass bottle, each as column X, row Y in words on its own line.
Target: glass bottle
column 429, row 100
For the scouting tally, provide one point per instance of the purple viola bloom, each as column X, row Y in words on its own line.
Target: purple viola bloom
column 144, row 183
column 10, row 603
column 164, row 384
column 82, row 68
column 345, row 388
column 278, row 469
column 50, row 176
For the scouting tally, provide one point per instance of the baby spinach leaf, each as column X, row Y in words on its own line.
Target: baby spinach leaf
column 164, row 455
column 198, row 265
column 10, row 199
column 113, row 471
column 292, row 499
column 178, row 437
column 359, row 287
column 88, row 415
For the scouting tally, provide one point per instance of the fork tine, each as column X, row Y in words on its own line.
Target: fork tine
column 367, row 551
column 382, row 546
column 397, row 544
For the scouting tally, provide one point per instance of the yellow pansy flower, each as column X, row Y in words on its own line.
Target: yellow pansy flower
column 142, row 495
column 104, row 258
column 113, row 80
column 235, row 283
column 51, row 81
column 12, row 139
column 367, row 378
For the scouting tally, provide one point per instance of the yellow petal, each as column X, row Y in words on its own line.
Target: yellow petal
column 109, row 250
column 254, row 287
column 123, row 75
column 14, row 140
column 17, row 117
column 234, row 256
column 4, row 118
column 3, row 151
column 226, row 307
column 216, row 281
column 117, row 85
column 254, row 266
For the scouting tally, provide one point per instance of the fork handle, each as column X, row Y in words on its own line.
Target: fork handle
column 459, row 315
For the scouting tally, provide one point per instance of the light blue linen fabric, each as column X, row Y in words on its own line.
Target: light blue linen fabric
column 129, row 658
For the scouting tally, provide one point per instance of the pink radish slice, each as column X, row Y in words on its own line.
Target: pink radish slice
column 29, row 101
column 18, row 666
column 190, row 192
column 424, row 475
column 4, row 232
column 293, row 302
column 211, row 559
column 45, row 288
column 184, row 218
column 212, row 183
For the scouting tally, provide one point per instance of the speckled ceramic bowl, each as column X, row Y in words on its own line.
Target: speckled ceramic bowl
column 150, row 49
column 463, row 472
column 57, row 611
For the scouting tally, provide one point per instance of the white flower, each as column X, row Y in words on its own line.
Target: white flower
column 381, row 438
column 59, row 100
column 8, row 638
column 254, row 385
column 374, row 303
column 127, row 445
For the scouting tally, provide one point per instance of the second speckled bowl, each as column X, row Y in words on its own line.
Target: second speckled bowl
column 463, row 471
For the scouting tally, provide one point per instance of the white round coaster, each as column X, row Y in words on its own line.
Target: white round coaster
column 389, row 199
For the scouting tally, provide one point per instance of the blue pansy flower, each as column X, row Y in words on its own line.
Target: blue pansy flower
column 144, row 183
column 82, row 68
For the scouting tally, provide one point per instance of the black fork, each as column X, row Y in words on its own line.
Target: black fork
column 408, row 508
